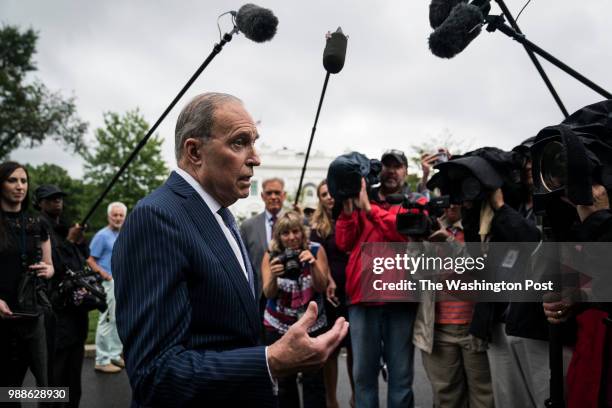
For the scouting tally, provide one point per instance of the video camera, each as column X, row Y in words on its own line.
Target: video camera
column 344, row 177
column 569, row 158
column 82, row 289
column 474, row 175
column 420, row 219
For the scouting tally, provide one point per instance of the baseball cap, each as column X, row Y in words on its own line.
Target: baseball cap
column 48, row 190
column 397, row 155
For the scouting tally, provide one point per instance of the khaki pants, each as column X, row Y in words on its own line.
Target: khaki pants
column 459, row 374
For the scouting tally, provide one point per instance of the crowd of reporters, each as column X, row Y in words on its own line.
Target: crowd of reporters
column 552, row 187
column 476, row 353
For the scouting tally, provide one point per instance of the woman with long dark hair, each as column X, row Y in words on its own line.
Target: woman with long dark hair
column 25, row 256
column 322, row 231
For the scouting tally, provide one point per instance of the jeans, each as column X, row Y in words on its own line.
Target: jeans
column 383, row 331
column 108, row 344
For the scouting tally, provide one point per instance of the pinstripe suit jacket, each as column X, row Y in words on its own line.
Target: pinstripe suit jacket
column 185, row 312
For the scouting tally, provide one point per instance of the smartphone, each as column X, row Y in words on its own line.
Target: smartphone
column 441, row 157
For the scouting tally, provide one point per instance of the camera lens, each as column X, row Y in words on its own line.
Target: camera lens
column 553, row 166
column 470, row 188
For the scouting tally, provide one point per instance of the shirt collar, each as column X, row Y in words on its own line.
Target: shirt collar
column 212, row 204
column 456, row 224
column 269, row 215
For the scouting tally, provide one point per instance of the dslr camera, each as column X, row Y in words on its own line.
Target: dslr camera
column 290, row 258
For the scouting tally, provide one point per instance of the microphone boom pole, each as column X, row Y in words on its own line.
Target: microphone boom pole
column 333, row 62
column 216, row 50
column 256, row 23
column 314, row 129
column 534, row 59
column 497, row 23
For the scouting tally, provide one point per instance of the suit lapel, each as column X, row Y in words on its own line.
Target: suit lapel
column 261, row 231
column 211, row 232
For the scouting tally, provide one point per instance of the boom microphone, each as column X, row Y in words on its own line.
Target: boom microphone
column 256, row 23
column 440, row 9
column 456, row 32
column 335, row 52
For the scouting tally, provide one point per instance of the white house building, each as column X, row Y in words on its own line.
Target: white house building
column 285, row 164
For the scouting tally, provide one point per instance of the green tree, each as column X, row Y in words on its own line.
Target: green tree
column 76, row 202
column 29, row 112
column 115, row 142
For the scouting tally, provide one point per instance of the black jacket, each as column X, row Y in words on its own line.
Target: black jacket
column 508, row 225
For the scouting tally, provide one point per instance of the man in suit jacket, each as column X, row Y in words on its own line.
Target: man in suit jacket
column 256, row 232
column 186, row 310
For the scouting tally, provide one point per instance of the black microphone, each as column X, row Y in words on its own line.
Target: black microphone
column 335, row 52
column 440, row 9
column 256, row 23
column 462, row 25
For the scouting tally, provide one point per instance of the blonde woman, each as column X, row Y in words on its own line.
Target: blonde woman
column 294, row 273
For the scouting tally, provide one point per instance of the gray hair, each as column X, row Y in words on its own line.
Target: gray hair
column 197, row 118
column 119, row 204
column 273, row 179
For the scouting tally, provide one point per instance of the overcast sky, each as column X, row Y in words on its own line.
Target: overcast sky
column 392, row 93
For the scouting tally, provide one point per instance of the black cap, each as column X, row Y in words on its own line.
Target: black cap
column 397, row 155
column 48, row 190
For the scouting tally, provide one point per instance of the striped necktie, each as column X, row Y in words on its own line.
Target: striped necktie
column 230, row 222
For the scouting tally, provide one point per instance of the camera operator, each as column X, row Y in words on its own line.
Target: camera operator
column 295, row 272
column 392, row 177
column 70, row 252
column 389, row 324
column 25, row 256
column 572, row 163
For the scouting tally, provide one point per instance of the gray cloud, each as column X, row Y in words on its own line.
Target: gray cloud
column 392, row 92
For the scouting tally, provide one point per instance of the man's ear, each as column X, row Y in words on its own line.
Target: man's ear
column 192, row 151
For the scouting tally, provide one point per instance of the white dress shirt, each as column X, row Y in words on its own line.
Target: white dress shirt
column 214, row 206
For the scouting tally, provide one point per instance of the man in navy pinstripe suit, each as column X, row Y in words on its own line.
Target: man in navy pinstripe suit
column 186, row 311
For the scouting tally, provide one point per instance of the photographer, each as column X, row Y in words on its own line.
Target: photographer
column 25, row 256
column 70, row 252
column 388, row 324
column 295, row 272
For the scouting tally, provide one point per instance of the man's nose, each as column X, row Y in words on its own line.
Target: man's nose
column 253, row 159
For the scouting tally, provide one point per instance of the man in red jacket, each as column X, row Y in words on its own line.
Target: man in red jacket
column 377, row 330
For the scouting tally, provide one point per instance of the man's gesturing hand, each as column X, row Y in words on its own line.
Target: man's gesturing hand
column 297, row 351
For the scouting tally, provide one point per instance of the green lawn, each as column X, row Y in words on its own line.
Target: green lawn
column 93, row 322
